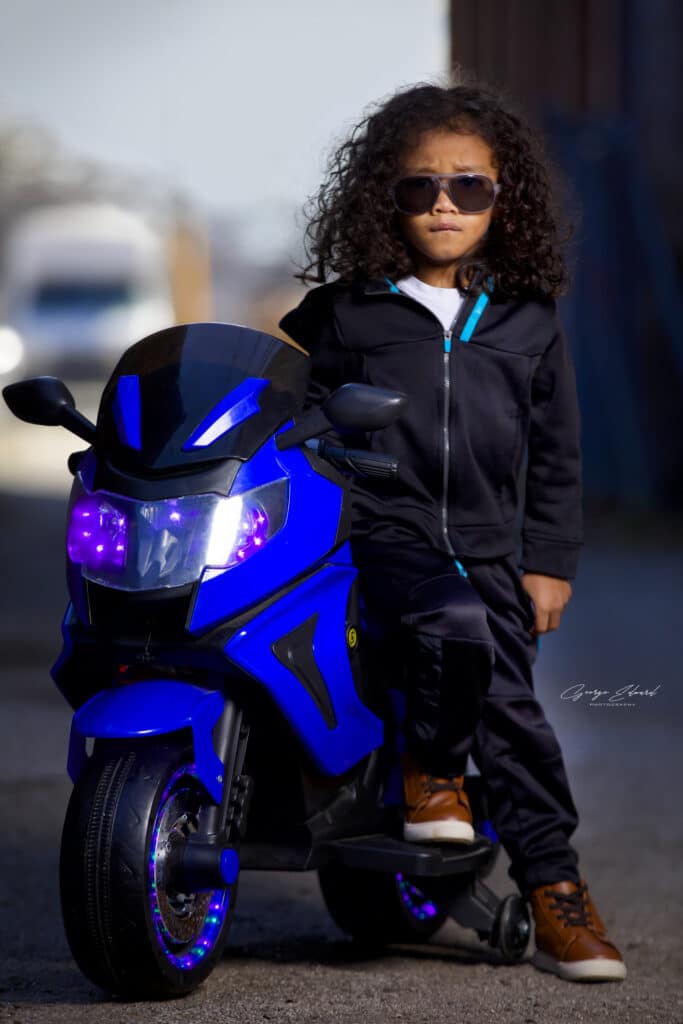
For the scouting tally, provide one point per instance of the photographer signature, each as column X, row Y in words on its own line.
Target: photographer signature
column 578, row 690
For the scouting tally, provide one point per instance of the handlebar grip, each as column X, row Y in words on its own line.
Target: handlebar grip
column 382, row 467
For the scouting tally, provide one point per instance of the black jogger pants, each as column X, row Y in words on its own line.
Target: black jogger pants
column 462, row 647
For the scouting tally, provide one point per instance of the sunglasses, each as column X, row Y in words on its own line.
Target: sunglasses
column 471, row 193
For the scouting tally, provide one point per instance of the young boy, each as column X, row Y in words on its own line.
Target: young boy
column 436, row 221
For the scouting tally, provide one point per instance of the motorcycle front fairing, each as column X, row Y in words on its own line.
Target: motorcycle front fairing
column 196, row 546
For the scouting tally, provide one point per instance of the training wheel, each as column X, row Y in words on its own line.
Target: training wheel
column 512, row 928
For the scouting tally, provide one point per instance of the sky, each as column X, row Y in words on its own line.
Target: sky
column 235, row 103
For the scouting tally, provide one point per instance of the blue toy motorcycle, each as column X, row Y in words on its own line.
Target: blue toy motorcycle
column 214, row 657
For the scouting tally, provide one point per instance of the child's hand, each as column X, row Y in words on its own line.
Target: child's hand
column 550, row 596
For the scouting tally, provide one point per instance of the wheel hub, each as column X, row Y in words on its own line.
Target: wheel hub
column 182, row 914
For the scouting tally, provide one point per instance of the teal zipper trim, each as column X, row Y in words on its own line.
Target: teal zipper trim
column 460, row 568
column 473, row 318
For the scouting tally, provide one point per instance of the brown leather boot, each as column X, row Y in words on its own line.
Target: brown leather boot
column 571, row 939
column 437, row 810
column 594, row 919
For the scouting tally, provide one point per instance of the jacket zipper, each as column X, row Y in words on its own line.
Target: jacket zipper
column 467, row 306
column 446, row 429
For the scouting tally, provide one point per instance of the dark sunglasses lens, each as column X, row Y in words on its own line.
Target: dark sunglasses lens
column 472, row 193
column 415, row 195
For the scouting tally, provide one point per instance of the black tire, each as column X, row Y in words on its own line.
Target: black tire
column 511, row 929
column 129, row 934
column 378, row 908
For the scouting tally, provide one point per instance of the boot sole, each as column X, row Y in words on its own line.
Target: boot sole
column 438, row 831
column 597, row 969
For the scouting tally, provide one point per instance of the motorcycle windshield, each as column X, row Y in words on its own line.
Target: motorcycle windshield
column 196, row 393
column 133, row 545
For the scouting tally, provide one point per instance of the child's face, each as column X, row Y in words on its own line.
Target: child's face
column 437, row 239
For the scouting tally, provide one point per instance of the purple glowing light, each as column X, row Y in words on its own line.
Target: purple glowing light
column 415, row 902
column 252, row 532
column 209, row 930
column 97, row 535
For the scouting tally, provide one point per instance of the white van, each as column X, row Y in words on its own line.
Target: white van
column 81, row 283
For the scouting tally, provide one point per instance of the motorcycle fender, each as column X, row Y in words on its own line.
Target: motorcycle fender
column 152, row 708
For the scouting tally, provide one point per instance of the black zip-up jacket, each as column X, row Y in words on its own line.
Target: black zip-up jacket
column 494, row 393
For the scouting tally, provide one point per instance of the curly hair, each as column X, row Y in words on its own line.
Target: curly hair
column 353, row 228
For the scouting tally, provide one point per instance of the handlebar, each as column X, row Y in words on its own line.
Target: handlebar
column 383, row 467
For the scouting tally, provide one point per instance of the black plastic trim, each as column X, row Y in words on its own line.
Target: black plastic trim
column 163, row 613
column 376, row 852
column 217, row 477
column 294, row 650
column 328, row 472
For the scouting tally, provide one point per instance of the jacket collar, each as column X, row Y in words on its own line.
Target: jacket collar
column 379, row 286
column 385, row 286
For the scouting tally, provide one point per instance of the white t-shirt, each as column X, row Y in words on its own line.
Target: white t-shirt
column 445, row 303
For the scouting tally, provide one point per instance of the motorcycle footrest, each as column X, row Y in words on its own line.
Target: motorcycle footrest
column 386, row 853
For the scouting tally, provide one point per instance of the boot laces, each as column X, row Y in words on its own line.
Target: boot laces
column 435, row 785
column 571, row 908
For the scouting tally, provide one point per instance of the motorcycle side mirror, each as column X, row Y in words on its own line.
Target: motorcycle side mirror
column 358, row 407
column 362, row 407
column 48, row 402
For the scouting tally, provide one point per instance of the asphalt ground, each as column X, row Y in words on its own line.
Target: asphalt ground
column 286, row 959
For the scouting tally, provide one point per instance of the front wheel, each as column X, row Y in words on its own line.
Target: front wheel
column 130, row 931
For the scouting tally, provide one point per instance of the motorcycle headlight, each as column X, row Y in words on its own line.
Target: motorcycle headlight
column 144, row 545
column 240, row 527
column 97, row 533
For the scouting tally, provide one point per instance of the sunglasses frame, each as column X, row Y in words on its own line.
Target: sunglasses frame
column 439, row 179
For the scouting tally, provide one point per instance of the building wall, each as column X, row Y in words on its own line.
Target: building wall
column 588, row 57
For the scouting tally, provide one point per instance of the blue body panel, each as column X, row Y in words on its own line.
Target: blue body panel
column 127, row 411
column 335, row 727
column 358, row 731
column 152, row 708
column 308, row 534
column 67, row 643
column 87, row 468
column 235, row 408
column 342, row 556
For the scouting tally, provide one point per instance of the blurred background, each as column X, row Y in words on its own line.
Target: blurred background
column 154, row 159
column 604, row 81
